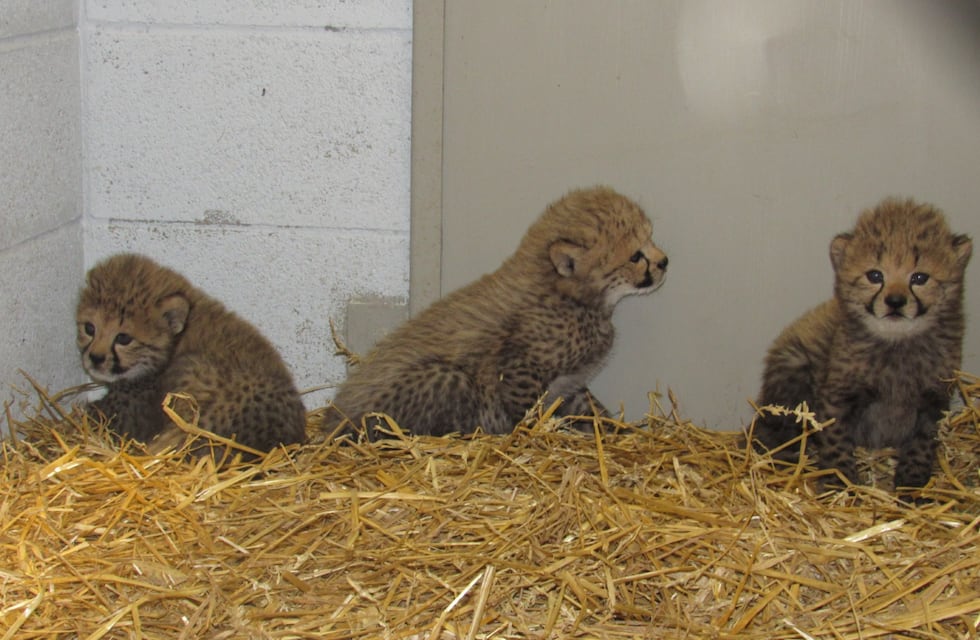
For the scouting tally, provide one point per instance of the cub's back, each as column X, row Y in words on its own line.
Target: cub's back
column 463, row 329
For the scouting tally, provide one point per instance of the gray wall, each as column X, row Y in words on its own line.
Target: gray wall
column 40, row 194
column 751, row 131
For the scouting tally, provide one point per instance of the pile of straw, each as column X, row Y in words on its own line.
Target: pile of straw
column 663, row 530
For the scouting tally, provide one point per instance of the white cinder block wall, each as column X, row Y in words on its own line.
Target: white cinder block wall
column 261, row 148
column 40, row 195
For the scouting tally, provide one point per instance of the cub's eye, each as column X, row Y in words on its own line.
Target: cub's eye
column 874, row 276
column 123, row 339
column 636, row 257
column 919, row 278
column 89, row 329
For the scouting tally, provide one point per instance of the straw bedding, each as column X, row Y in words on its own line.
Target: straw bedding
column 658, row 530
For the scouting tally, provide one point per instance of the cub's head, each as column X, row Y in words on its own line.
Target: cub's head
column 130, row 315
column 901, row 270
column 598, row 245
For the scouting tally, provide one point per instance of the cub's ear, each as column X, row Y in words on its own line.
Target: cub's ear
column 565, row 256
column 963, row 248
column 174, row 310
column 837, row 247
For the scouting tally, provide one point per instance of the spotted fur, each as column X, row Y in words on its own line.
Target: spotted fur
column 145, row 331
column 878, row 357
column 542, row 322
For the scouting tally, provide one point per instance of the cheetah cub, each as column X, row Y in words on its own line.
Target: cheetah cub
column 144, row 331
column 482, row 356
column 878, row 356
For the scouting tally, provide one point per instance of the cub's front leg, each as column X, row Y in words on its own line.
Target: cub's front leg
column 133, row 410
column 836, row 442
column 584, row 405
column 836, row 451
column 917, row 453
column 846, row 397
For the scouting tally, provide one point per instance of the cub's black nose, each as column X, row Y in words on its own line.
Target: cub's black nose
column 96, row 359
column 895, row 301
column 662, row 265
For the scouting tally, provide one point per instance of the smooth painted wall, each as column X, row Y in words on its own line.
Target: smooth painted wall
column 752, row 132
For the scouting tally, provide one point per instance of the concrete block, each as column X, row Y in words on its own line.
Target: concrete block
column 21, row 17
column 40, row 140
column 286, row 128
column 330, row 14
column 41, row 280
column 287, row 282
